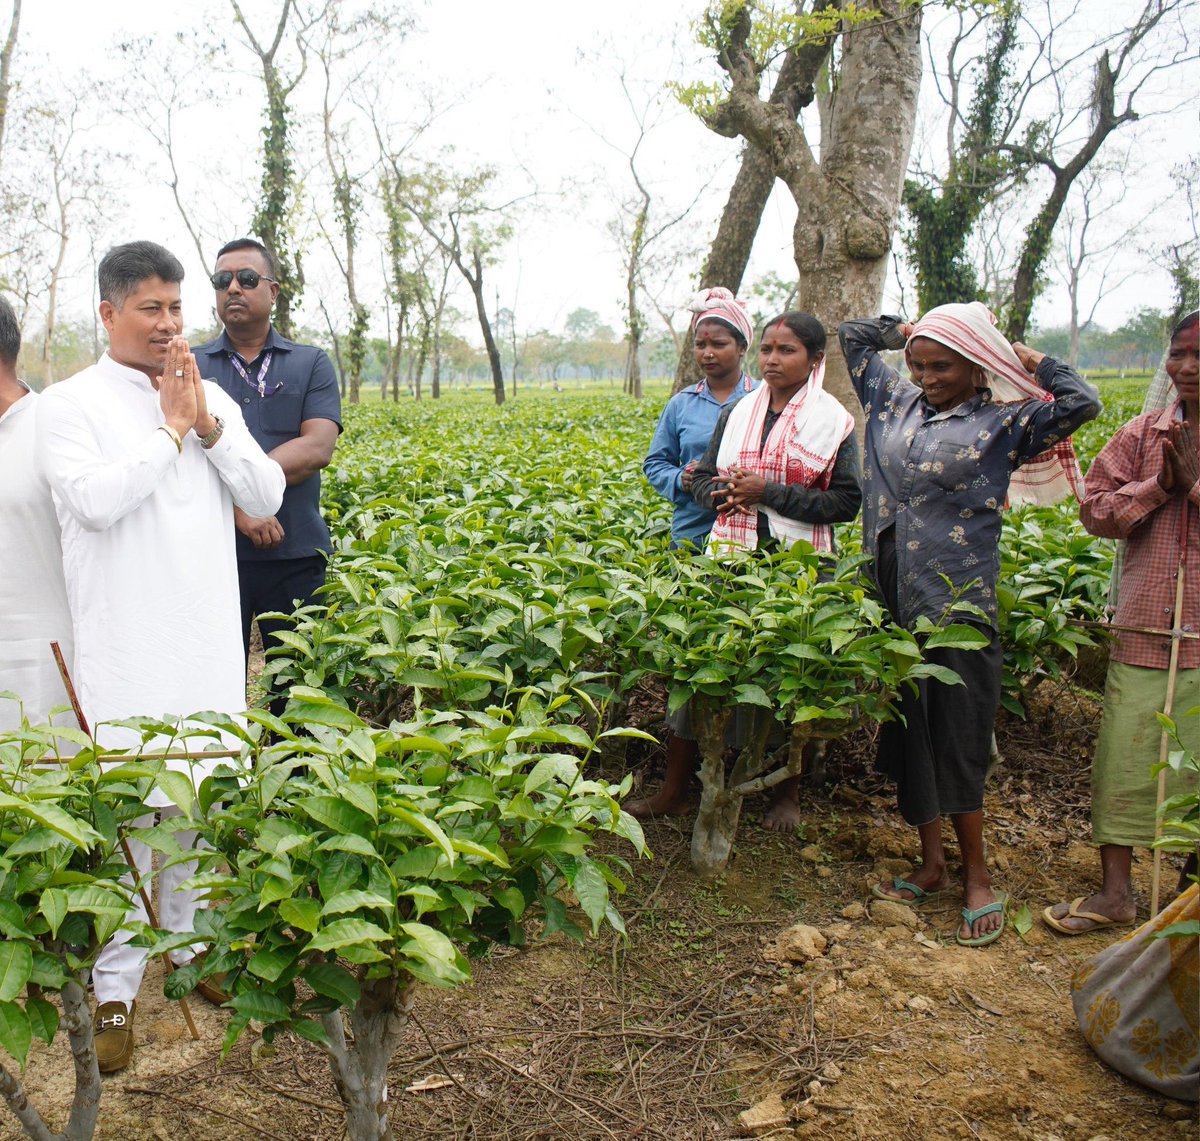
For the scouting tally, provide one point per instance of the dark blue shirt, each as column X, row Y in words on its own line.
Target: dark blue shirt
column 941, row 477
column 300, row 385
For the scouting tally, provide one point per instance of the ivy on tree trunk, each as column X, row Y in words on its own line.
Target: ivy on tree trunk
column 847, row 191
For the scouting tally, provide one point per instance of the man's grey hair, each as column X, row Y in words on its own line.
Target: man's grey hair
column 125, row 266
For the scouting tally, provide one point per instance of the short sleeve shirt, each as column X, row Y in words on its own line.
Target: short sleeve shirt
column 299, row 385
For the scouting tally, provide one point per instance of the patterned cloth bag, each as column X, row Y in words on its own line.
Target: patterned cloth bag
column 1138, row 1003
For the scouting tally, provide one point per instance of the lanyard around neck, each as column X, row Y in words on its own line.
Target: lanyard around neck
column 260, row 381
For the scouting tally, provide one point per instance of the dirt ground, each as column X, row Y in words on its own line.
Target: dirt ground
column 891, row 1031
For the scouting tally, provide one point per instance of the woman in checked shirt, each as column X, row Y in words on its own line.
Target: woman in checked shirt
column 1144, row 487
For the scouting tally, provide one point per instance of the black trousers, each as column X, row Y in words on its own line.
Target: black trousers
column 276, row 585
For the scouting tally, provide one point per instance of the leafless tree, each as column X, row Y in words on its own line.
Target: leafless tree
column 1090, row 263
column 6, row 60
column 1122, row 68
column 642, row 220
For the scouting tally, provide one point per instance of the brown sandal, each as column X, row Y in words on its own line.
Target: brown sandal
column 1074, row 911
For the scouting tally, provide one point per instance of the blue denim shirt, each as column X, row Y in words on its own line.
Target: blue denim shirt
column 941, row 478
column 682, row 434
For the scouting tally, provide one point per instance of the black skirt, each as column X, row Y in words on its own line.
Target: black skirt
column 938, row 755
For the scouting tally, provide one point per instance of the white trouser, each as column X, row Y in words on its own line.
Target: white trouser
column 117, row 975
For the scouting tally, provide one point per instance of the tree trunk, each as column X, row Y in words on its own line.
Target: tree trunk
column 10, row 46
column 85, row 1106
column 794, row 90
column 635, row 323
column 337, row 351
column 359, row 1070
column 475, row 280
column 277, row 186
column 730, row 253
column 721, row 798
column 848, row 203
column 718, row 815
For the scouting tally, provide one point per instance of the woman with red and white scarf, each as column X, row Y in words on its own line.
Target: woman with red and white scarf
column 782, row 466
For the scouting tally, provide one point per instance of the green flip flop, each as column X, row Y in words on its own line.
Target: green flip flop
column 920, row 895
column 969, row 917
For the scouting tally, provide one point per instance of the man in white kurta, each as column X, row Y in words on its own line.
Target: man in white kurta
column 146, row 463
column 33, row 595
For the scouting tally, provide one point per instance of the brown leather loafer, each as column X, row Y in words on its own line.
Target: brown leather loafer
column 113, row 1028
column 213, row 987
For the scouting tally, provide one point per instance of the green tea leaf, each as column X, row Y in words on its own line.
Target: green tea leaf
column 16, row 965
column 333, row 982
column 43, row 1018
column 343, row 933
column 16, row 1034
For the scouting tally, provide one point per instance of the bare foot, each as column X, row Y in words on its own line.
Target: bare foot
column 784, row 813
column 1119, row 909
column 975, row 897
column 662, row 803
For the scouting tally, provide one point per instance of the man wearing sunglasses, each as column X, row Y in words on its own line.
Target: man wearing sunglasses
column 288, row 394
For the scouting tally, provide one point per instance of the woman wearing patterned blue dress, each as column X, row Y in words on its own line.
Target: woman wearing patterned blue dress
column 980, row 422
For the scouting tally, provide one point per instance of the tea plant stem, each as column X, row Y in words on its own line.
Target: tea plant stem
column 85, row 1105
column 761, row 784
column 31, row 1121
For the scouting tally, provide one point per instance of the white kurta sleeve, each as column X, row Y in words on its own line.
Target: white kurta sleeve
column 254, row 479
column 97, row 491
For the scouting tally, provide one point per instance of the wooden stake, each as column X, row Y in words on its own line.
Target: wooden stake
column 69, row 685
column 1165, row 741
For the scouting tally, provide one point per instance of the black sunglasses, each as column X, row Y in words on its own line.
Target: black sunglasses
column 246, row 278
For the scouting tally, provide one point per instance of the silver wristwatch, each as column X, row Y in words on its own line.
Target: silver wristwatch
column 207, row 442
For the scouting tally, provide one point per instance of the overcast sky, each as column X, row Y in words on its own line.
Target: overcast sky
column 530, row 87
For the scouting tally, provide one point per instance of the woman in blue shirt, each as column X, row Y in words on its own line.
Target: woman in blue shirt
column 723, row 332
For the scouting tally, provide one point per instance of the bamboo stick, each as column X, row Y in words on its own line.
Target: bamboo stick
column 1165, row 741
column 104, row 757
column 1174, row 634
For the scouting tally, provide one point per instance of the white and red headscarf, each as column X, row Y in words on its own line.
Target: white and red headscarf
column 801, row 449
column 718, row 304
column 970, row 330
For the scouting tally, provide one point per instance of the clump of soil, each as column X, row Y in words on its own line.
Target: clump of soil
column 781, row 991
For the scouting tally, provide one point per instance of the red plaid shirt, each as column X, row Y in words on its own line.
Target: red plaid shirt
column 1123, row 500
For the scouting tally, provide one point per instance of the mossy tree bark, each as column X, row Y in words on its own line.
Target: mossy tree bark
column 847, row 190
column 794, row 89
